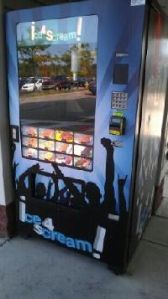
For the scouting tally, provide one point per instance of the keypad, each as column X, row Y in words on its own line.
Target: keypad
column 120, row 100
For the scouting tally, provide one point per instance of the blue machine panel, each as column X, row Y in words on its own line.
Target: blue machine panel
column 73, row 173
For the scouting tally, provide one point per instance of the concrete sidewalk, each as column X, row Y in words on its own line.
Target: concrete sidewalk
column 35, row 269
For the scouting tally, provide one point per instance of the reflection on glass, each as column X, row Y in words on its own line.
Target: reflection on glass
column 46, row 156
column 83, row 163
column 65, row 136
column 83, row 151
column 46, row 145
column 30, row 153
column 64, row 148
column 83, row 139
column 46, row 133
column 30, row 142
column 29, row 131
column 64, row 159
column 57, row 63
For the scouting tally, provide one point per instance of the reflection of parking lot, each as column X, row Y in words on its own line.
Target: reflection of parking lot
column 55, row 96
column 75, row 110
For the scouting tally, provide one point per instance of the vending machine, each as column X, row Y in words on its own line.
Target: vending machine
column 86, row 118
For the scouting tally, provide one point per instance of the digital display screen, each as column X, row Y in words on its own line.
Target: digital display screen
column 121, row 72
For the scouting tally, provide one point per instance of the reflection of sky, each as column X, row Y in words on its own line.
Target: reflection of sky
column 87, row 25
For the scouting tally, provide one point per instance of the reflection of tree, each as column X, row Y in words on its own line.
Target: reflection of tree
column 37, row 61
column 87, row 63
column 30, row 59
column 66, row 63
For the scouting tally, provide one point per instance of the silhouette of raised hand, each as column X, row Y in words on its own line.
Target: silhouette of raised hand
column 50, row 184
column 57, row 170
column 35, row 168
column 106, row 143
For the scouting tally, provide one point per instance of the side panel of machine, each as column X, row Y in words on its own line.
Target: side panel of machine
column 153, row 105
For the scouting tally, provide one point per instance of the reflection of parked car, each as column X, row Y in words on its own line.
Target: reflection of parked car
column 22, row 82
column 48, row 83
column 92, row 87
column 32, row 84
column 62, row 82
column 80, row 82
column 57, row 82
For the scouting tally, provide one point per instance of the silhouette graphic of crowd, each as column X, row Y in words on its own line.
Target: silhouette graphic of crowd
column 89, row 200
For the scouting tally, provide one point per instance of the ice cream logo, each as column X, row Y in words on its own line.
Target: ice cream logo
column 43, row 33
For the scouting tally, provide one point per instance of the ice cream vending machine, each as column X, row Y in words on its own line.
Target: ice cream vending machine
column 87, row 87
